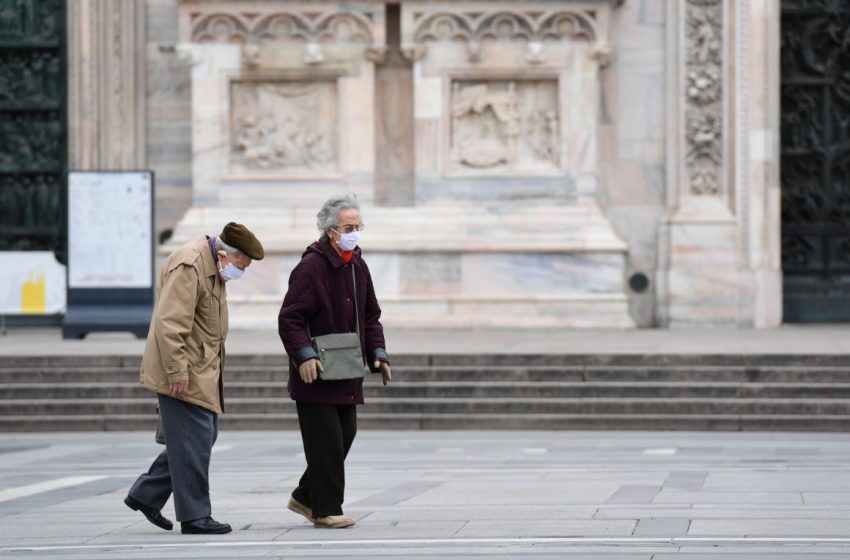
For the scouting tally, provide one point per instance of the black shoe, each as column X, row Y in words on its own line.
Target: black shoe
column 153, row 515
column 204, row 526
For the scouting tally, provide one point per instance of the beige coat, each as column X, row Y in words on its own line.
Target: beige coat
column 188, row 328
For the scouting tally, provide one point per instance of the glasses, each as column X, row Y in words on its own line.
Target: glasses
column 349, row 228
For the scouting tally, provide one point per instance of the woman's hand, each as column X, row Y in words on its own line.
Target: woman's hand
column 386, row 373
column 310, row 370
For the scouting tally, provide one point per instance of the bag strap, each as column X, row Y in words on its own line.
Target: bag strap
column 356, row 310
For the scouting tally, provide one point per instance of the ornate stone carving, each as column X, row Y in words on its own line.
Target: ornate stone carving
column 704, row 95
column 501, row 127
column 414, row 52
column 250, row 56
column 282, row 127
column 310, row 25
column 534, row 27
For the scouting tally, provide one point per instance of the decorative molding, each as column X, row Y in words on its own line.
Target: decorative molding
column 703, row 95
column 310, row 25
column 535, row 27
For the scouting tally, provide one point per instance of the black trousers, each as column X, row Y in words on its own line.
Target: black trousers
column 327, row 432
column 183, row 467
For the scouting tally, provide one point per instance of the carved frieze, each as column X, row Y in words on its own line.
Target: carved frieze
column 309, row 24
column 504, row 127
column 315, row 26
column 283, row 128
column 704, row 95
column 475, row 27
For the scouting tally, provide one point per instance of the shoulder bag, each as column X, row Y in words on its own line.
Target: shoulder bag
column 340, row 353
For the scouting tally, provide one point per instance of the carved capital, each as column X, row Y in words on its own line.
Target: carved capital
column 535, row 53
column 250, row 56
column 313, row 54
column 414, row 53
column 602, row 53
column 376, row 54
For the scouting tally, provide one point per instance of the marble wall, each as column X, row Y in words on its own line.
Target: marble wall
column 555, row 147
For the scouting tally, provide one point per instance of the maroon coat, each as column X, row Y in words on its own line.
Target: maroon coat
column 320, row 291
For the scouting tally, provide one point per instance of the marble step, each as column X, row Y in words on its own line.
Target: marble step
column 508, row 405
column 463, row 390
column 275, row 371
column 414, row 421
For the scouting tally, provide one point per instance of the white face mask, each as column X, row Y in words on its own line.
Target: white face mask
column 348, row 241
column 230, row 272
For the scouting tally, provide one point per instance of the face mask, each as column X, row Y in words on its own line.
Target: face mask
column 230, row 272
column 348, row 241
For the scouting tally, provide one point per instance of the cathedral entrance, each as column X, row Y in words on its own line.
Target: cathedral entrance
column 815, row 151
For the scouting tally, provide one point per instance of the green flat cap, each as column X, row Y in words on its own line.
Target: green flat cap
column 239, row 237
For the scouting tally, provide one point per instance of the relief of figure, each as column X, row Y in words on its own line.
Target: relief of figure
column 510, row 129
column 492, row 137
column 544, row 136
column 294, row 133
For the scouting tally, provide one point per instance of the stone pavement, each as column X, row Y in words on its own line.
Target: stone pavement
column 450, row 495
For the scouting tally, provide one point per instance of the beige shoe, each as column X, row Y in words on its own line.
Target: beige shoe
column 333, row 522
column 300, row 509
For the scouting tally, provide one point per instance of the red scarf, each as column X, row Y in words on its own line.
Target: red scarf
column 346, row 256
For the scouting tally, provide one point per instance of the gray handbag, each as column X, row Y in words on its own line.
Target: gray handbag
column 340, row 353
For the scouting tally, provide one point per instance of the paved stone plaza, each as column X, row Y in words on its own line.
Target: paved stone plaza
column 550, row 495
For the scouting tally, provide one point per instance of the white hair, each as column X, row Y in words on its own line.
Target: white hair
column 329, row 214
column 222, row 246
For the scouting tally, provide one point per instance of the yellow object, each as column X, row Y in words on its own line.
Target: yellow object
column 33, row 294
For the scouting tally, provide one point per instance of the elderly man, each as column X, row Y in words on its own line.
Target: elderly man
column 183, row 361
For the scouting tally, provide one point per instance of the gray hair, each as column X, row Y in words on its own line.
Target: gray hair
column 328, row 215
column 222, row 246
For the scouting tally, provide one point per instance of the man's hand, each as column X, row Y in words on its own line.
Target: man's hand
column 386, row 373
column 179, row 388
column 310, row 370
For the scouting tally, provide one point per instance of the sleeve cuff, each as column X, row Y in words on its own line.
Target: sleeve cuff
column 303, row 354
column 377, row 355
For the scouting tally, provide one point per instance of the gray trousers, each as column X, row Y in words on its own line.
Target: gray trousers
column 184, row 465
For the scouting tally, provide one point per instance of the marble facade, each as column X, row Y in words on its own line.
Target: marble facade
column 543, row 163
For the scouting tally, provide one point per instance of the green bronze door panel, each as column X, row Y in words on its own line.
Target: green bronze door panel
column 815, row 148
column 33, row 125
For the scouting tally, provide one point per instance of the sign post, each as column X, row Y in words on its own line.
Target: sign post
column 110, row 252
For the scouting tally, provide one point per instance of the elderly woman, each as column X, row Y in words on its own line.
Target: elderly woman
column 322, row 298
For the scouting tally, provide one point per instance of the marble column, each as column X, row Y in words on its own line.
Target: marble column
column 719, row 261
column 106, row 84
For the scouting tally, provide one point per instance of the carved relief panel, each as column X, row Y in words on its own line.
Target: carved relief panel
column 504, row 128
column 284, row 128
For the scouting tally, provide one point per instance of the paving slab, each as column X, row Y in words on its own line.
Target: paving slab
column 449, row 495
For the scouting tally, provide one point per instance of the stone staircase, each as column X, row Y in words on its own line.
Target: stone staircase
column 559, row 392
